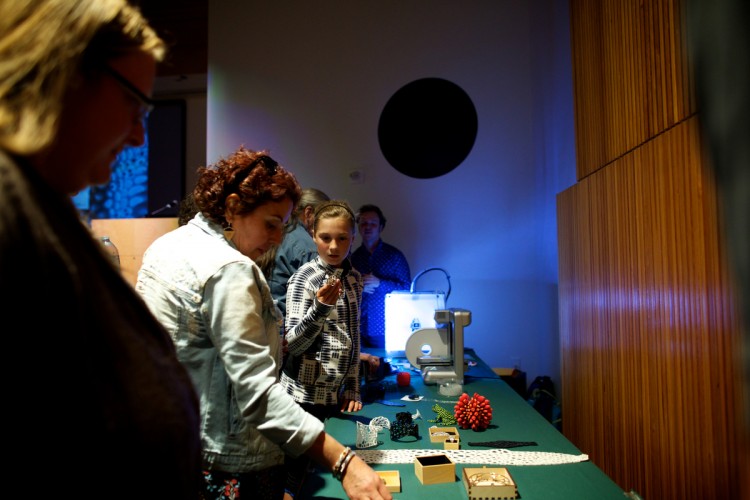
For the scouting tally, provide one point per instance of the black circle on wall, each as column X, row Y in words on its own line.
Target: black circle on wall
column 427, row 128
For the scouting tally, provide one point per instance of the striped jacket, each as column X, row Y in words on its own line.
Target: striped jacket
column 323, row 340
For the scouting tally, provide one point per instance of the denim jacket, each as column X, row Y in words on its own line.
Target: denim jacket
column 216, row 305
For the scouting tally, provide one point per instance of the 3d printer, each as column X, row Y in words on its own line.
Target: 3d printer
column 419, row 326
column 439, row 352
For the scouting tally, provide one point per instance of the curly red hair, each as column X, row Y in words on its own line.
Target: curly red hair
column 253, row 175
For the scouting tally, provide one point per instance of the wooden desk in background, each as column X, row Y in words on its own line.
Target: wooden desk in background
column 132, row 237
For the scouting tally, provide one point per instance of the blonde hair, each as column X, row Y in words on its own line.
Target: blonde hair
column 48, row 45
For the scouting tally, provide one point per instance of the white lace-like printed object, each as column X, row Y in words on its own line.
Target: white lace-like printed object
column 495, row 457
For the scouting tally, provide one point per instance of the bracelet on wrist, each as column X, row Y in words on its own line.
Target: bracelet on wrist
column 337, row 468
column 342, row 462
column 345, row 465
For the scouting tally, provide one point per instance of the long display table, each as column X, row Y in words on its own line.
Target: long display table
column 513, row 419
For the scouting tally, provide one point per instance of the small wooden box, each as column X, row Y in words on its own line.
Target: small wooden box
column 489, row 483
column 452, row 443
column 392, row 480
column 432, row 469
column 440, row 434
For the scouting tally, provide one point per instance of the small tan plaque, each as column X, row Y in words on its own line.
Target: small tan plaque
column 440, row 434
column 451, row 443
column 392, row 480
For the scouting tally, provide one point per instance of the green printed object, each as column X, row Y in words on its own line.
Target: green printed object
column 444, row 417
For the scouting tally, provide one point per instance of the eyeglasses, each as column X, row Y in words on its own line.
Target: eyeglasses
column 146, row 104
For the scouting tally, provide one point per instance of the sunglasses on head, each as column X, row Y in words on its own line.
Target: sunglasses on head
column 267, row 162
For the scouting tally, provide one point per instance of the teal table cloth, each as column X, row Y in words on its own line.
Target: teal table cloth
column 513, row 419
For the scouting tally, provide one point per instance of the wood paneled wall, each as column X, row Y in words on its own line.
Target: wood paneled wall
column 650, row 332
column 632, row 77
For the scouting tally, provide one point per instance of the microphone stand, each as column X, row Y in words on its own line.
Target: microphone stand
column 169, row 205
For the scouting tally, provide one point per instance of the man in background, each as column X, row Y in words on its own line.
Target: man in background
column 384, row 269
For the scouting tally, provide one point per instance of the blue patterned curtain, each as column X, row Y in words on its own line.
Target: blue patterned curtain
column 126, row 194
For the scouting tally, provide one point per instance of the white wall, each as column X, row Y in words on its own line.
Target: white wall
column 308, row 80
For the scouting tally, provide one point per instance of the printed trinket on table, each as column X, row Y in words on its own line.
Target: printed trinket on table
column 440, row 434
column 488, row 483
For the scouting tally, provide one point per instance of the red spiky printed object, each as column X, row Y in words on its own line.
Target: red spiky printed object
column 474, row 412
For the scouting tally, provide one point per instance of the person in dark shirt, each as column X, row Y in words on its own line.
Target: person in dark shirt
column 384, row 268
column 100, row 406
column 297, row 247
column 187, row 210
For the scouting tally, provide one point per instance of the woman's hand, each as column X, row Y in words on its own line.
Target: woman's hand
column 361, row 482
